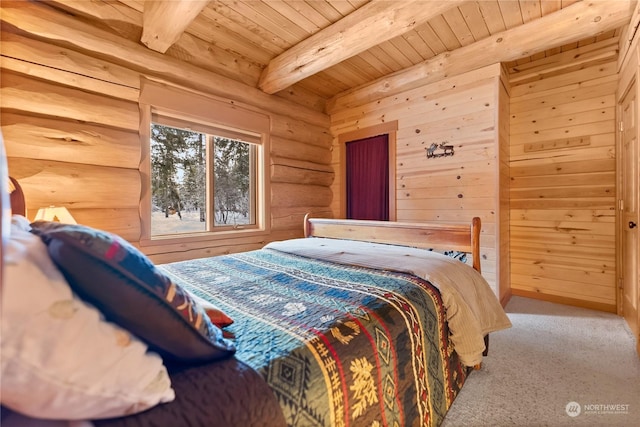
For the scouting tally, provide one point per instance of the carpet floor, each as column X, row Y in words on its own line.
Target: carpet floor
column 557, row 366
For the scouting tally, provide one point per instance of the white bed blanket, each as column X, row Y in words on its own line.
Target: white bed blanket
column 472, row 308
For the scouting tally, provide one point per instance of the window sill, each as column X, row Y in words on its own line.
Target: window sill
column 203, row 237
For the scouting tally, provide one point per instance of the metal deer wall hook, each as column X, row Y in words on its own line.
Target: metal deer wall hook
column 447, row 150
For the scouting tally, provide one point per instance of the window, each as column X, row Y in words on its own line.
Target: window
column 206, row 167
column 204, row 181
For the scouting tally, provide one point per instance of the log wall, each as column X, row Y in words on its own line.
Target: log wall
column 563, row 182
column 70, row 119
column 466, row 111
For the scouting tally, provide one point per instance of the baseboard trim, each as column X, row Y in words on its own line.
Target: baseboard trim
column 610, row 308
column 504, row 298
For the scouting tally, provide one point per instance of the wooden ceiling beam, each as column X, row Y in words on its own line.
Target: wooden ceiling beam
column 571, row 24
column 368, row 26
column 164, row 21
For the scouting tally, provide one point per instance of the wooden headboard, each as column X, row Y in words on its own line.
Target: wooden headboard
column 16, row 198
column 463, row 237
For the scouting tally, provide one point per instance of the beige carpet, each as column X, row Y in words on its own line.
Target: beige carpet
column 557, row 366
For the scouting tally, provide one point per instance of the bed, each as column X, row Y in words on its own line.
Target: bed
column 359, row 323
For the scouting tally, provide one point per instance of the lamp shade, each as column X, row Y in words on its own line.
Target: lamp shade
column 53, row 213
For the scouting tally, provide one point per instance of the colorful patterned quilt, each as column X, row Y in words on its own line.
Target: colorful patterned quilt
column 338, row 345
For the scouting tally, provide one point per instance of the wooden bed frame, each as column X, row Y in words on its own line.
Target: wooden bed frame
column 441, row 236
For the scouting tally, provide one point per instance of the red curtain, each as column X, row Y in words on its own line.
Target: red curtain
column 368, row 178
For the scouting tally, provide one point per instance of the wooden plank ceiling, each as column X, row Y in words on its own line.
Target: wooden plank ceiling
column 309, row 50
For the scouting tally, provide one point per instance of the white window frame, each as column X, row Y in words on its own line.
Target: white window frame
column 171, row 106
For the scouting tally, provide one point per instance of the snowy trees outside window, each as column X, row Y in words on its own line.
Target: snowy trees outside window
column 200, row 181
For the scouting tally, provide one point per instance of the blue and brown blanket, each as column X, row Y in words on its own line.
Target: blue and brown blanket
column 338, row 345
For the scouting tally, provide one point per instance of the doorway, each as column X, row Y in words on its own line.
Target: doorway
column 388, row 131
column 629, row 179
column 368, row 178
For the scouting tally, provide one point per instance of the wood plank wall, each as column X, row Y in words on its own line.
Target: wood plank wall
column 70, row 121
column 563, row 183
column 465, row 111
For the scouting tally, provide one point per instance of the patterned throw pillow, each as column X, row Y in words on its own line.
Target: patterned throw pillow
column 60, row 358
column 215, row 314
column 124, row 284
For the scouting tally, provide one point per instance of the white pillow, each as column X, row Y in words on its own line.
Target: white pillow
column 59, row 358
